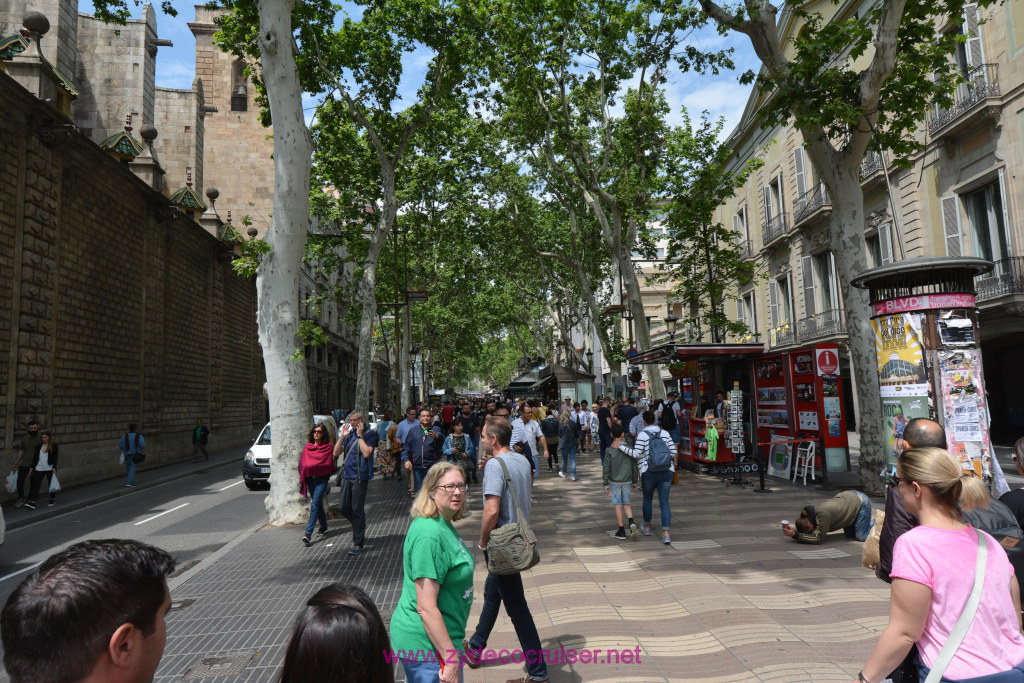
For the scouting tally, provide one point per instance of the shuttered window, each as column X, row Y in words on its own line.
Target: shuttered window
column 951, row 225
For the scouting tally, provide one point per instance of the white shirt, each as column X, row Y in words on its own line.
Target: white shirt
column 531, row 432
column 639, row 449
column 44, row 460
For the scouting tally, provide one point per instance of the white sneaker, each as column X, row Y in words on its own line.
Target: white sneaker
column 561, row 474
column 572, row 478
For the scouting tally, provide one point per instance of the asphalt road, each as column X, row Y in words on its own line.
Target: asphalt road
column 190, row 518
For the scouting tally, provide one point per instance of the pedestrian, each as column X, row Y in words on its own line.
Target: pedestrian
column 316, row 463
column 447, row 417
column 933, row 573
column 499, row 510
column 531, row 434
column 384, row 428
column 404, row 426
column 849, row 510
column 355, row 448
column 620, row 475
column 636, row 425
column 670, row 416
column 25, row 446
column 421, row 448
column 132, row 452
column 655, row 461
column 338, row 637
column 569, row 440
column 626, row 413
column 437, row 586
column 92, row 612
column 604, row 426
column 471, row 427
column 200, row 437
column 720, row 406
column 549, row 427
column 586, row 418
column 44, row 464
column 458, row 448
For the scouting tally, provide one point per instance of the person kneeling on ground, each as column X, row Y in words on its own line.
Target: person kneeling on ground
column 93, row 613
column 621, row 474
column 849, row 511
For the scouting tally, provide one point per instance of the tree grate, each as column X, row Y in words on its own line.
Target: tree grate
column 221, row 665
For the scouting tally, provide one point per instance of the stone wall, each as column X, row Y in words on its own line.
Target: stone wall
column 59, row 45
column 114, row 308
column 179, row 123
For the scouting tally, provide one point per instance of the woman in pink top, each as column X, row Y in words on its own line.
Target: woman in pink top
column 933, row 574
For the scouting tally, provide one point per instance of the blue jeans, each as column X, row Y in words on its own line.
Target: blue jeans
column 317, row 487
column 426, row 672
column 569, row 460
column 862, row 525
column 663, row 481
column 674, row 433
column 509, row 589
column 130, row 466
column 417, row 478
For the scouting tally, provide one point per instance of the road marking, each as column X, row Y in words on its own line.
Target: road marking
column 229, row 486
column 20, row 571
column 150, row 519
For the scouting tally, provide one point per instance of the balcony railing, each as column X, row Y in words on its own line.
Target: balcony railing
column 745, row 248
column 826, row 324
column 981, row 82
column 1006, row 278
column 774, row 229
column 783, row 335
column 872, row 162
column 810, row 202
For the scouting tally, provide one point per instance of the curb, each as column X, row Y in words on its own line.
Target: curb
column 49, row 513
column 214, row 557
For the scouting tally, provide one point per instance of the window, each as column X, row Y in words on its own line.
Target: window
column 746, row 311
column 773, row 199
column 661, row 253
column 739, row 226
column 828, row 284
column 239, row 87
column 986, row 217
column 874, row 248
column 780, row 301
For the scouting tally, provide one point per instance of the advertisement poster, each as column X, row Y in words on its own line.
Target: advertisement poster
column 772, row 418
column 965, row 410
column 833, row 415
column 802, row 364
column 807, row 419
column 898, row 349
column 896, row 413
column 771, row 396
column 780, row 458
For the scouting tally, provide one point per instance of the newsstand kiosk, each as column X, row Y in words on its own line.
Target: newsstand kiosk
column 929, row 356
column 799, row 398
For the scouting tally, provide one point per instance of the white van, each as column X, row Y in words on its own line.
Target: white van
column 256, row 464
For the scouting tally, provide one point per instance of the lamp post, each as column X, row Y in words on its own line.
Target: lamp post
column 670, row 324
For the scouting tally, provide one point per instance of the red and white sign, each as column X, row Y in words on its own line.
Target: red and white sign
column 827, row 362
column 924, row 302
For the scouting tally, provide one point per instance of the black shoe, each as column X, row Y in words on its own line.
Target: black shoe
column 52, row 501
column 305, row 541
column 473, row 658
column 621, row 534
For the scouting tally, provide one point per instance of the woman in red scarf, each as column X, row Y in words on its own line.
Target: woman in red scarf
column 315, row 467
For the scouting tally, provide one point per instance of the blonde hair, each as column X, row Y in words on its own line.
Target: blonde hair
column 423, row 505
column 954, row 488
column 563, row 417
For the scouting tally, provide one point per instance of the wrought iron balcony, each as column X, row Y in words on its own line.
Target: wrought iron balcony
column 1006, row 278
column 745, row 248
column 774, row 229
column 783, row 335
column 825, row 324
column 981, row 83
column 811, row 203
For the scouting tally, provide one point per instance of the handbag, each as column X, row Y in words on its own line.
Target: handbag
column 956, row 636
column 512, row 548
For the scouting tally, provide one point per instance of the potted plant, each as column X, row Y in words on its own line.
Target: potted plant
column 677, row 368
column 635, row 374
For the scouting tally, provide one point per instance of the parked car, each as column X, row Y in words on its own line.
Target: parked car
column 256, row 463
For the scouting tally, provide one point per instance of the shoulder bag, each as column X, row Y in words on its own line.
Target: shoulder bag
column 512, row 548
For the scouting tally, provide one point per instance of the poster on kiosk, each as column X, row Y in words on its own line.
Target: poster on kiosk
column 799, row 398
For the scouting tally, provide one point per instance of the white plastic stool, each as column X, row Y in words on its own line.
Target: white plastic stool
column 805, row 459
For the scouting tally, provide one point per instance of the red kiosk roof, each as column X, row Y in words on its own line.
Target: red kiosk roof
column 668, row 353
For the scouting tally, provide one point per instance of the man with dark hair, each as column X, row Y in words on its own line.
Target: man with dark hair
column 132, row 445
column 354, row 452
column 500, row 510
column 92, row 613
column 421, row 448
column 200, row 437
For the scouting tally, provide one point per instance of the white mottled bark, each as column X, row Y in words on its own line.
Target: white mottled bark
column 277, row 279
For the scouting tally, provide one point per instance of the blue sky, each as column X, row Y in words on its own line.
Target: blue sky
column 721, row 95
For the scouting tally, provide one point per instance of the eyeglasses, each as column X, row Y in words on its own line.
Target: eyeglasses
column 893, row 480
column 318, row 431
column 450, row 488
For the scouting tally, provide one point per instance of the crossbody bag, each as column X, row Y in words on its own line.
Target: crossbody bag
column 512, row 548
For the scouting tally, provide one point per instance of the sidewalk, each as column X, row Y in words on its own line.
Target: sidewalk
column 730, row 600
column 79, row 497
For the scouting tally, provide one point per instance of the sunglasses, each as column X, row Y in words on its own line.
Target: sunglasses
column 318, row 431
column 893, row 480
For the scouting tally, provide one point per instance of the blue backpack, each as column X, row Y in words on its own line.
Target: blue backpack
column 659, row 457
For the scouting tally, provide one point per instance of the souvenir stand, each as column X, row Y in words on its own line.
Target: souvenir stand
column 799, row 398
column 709, row 368
column 929, row 356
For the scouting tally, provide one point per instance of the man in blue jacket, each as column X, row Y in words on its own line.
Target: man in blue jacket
column 421, row 448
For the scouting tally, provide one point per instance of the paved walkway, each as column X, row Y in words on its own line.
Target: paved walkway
column 730, row 600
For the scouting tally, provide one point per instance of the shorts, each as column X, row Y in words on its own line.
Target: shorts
column 620, row 492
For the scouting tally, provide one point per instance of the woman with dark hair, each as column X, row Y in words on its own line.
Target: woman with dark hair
column 933, row 574
column 44, row 464
column 338, row 638
column 315, row 467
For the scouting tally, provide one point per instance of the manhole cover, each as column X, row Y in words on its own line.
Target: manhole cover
column 181, row 604
column 221, row 665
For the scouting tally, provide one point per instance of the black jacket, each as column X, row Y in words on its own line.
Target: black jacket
column 54, row 449
column 204, row 434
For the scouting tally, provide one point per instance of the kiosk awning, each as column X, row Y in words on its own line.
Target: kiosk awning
column 668, row 353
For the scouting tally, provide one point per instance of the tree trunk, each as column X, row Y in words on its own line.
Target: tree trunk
column 277, row 278
column 405, row 400
column 848, row 245
column 368, row 291
column 636, row 309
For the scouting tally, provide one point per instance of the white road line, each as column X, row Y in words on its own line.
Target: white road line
column 230, row 485
column 150, row 519
column 20, row 571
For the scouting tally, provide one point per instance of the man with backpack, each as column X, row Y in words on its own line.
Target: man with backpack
column 655, row 456
column 669, row 416
column 133, row 451
column 549, row 427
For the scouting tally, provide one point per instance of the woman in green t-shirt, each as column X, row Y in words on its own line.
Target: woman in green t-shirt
column 437, row 590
